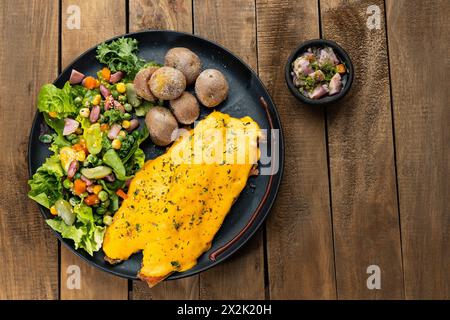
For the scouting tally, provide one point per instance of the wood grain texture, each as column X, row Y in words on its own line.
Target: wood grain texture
column 233, row 24
column 175, row 15
column 361, row 155
column 161, row 14
column 419, row 38
column 28, row 59
column 299, row 233
column 96, row 27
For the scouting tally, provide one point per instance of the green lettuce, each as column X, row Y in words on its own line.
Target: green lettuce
column 84, row 233
column 45, row 185
column 59, row 101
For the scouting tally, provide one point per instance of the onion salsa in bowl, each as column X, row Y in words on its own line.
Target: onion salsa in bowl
column 319, row 71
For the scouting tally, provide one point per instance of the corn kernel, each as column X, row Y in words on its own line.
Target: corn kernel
column 120, row 87
column 79, row 131
column 116, row 144
column 97, row 83
column 96, row 100
column 53, row 211
column 53, row 114
column 81, row 155
column 85, row 112
column 125, row 124
column 122, row 134
column 97, row 188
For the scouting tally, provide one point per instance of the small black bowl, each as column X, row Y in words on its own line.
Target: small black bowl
column 340, row 53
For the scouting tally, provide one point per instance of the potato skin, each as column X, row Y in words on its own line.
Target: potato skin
column 211, row 87
column 167, row 83
column 185, row 108
column 186, row 61
column 161, row 125
column 141, row 83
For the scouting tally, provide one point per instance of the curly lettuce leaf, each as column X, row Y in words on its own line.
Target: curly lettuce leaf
column 45, row 185
column 120, row 55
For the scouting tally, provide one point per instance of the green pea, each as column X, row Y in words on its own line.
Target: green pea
column 74, row 201
column 46, row 138
column 75, row 141
column 130, row 138
column 136, row 134
column 122, row 98
column 126, row 116
column 128, row 107
column 103, row 195
column 67, row 184
column 100, row 210
column 77, row 175
column 115, row 93
column 71, row 136
column 92, row 159
column 106, row 203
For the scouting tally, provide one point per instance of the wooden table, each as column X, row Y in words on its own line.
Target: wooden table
column 365, row 182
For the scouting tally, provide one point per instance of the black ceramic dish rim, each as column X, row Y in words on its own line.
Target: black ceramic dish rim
column 273, row 188
column 342, row 54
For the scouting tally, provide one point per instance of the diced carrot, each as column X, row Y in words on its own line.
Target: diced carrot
column 53, row 114
column 340, row 68
column 92, row 199
column 77, row 147
column 79, row 186
column 89, row 83
column 106, row 74
column 121, row 194
column 104, row 127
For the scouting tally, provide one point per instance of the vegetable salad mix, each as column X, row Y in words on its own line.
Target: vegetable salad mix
column 94, row 134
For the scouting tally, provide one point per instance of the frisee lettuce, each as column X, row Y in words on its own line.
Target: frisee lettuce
column 120, row 55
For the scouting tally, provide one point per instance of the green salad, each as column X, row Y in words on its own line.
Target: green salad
column 94, row 135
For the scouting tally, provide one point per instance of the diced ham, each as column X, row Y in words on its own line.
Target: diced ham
column 70, row 126
column 76, row 77
column 104, row 91
column 95, row 114
column 109, row 101
column 114, row 131
column 116, row 77
column 119, row 106
column 335, row 84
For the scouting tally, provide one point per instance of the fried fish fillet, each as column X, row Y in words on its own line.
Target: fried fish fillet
column 177, row 202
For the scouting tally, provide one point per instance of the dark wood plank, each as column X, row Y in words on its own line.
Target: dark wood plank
column 299, row 234
column 96, row 27
column 361, row 152
column 233, row 24
column 419, row 37
column 29, row 268
column 174, row 15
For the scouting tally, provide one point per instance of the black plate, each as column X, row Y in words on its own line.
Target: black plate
column 246, row 91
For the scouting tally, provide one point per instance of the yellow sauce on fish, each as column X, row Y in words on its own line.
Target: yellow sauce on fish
column 177, row 202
